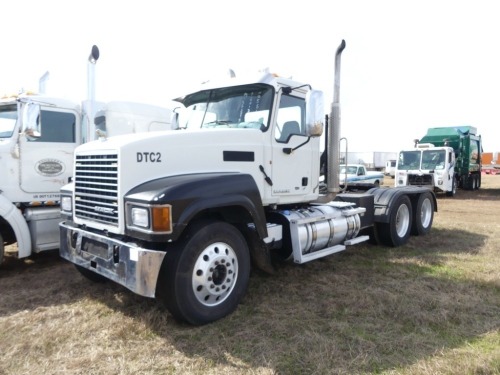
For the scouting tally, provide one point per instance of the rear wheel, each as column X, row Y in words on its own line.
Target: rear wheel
column 469, row 185
column 423, row 215
column 397, row 231
column 205, row 275
column 477, row 181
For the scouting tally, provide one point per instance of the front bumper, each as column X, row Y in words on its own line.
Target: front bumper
column 132, row 266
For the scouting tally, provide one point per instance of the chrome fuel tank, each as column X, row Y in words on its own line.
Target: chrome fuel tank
column 318, row 228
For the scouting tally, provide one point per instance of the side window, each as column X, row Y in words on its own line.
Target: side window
column 291, row 118
column 57, row 127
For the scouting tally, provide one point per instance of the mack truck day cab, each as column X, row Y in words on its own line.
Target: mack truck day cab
column 38, row 135
column 445, row 159
column 182, row 215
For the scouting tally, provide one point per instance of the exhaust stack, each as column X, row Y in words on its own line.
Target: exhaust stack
column 333, row 137
column 90, row 105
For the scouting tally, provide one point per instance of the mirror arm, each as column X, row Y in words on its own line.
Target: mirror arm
column 289, row 150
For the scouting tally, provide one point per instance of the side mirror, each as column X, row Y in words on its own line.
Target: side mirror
column 174, row 119
column 100, row 123
column 314, row 113
column 31, row 121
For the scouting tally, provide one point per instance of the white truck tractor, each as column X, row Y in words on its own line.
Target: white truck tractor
column 38, row 135
column 428, row 166
column 183, row 215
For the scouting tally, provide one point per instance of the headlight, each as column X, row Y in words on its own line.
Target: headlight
column 140, row 217
column 149, row 218
column 66, row 204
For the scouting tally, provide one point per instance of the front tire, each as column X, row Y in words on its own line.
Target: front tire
column 397, row 231
column 423, row 215
column 205, row 275
column 453, row 190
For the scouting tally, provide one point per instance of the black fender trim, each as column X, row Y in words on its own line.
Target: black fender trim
column 191, row 194
column 385, row 197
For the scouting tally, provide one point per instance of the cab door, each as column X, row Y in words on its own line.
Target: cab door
column 46, row 158
column 295, row 155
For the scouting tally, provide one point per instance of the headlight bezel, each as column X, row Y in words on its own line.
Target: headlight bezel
column 66, row 204
column 156, row 219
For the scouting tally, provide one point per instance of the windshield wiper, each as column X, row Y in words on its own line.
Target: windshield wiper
column 216, row 123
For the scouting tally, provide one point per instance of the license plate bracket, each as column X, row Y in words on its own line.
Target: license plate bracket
column 94, row 247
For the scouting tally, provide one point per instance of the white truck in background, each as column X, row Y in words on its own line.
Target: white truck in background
column 428, row 166
column 445, row 159
column 38, row 135
column 390, row 168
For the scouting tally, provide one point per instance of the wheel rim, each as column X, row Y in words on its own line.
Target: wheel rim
column 214, row 274
column 402, row 220
column 426, row 213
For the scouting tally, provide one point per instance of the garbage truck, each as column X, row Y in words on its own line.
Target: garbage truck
column 445, row 159
column 184, row 215
column 38, row 134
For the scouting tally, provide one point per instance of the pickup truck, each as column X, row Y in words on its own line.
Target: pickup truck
column 358, row 178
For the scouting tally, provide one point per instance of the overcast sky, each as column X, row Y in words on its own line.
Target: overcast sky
column 408, row 65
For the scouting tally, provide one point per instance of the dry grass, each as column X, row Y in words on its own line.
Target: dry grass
column 430, row 307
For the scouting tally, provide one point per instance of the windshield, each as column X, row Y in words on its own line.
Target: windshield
column 8, row 117
column 409, row 160
column 433, row 159
column 350, row 169
column 246, row 106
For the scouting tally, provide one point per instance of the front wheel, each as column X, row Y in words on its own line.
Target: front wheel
column 453, row 190
column 397, row 231
column 205, row 275
column 423, row 215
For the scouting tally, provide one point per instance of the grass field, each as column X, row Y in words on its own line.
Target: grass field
column 430, row 307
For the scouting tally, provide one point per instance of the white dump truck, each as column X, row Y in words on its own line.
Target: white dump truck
column 183, row 215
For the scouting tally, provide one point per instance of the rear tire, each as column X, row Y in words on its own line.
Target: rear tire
column 205, row 275
column 397, row 231
column 423, row 215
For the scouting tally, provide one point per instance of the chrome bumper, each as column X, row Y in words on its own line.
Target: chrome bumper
column 133, row 267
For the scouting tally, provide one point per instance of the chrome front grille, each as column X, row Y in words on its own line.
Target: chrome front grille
column 96, row 188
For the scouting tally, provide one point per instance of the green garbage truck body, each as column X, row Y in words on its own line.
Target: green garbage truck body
column 466, row 144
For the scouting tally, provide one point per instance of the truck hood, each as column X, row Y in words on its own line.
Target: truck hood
column 148, row 156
